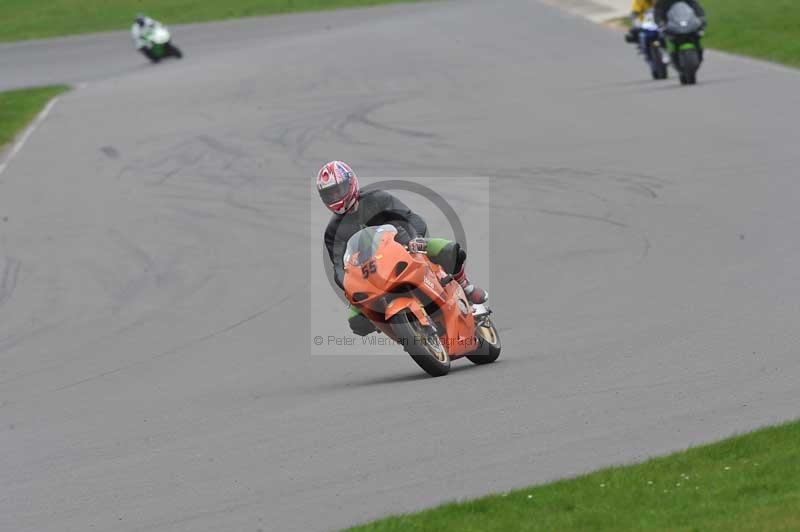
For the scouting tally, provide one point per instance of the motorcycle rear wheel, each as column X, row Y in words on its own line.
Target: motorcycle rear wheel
column 174, row 51
column 421, row 343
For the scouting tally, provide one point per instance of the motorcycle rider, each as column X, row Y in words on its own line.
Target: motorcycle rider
column 662, row 8
column 354, row 210
column 142, row 25
column 638, row 10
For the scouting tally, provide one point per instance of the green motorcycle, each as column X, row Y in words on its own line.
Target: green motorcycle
column 158, row 44
column 684, row 29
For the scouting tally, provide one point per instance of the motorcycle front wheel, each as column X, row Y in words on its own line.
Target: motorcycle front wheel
column 690, row 62
column 658, row 65
column 488, row 343
column 151, row 55
column 421, row 343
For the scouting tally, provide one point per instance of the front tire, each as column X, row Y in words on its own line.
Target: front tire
column 150, row 55
column 422, row 343
column 690, row 62
column 659, row 67
column 488, row 343
column 659, row 71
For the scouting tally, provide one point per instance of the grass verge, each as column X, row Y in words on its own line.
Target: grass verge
column 34, row 19
column 750, row 482
column 19, row 107
column 768, row 30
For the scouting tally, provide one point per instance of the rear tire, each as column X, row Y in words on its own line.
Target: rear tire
column 488, row 343
column 422, row 343
column 690, row 62
column 175, row 51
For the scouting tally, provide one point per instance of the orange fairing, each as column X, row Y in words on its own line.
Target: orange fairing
column 382, row 279
column 410, row 303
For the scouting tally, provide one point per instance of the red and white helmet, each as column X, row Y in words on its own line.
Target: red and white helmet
column 337, row 185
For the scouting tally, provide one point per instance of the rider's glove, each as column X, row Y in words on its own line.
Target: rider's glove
column 417, row 245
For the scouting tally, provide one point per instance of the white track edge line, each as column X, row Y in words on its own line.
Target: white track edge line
column 20, row 142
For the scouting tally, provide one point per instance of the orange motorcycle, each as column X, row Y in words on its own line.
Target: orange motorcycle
column 416, row 303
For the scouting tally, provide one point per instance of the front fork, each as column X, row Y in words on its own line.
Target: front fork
column 659, row 52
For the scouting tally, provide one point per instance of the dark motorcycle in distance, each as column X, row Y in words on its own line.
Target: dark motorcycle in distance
column 159, row 44
column 684, row 30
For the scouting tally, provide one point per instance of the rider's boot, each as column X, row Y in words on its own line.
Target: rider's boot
column 475, row 293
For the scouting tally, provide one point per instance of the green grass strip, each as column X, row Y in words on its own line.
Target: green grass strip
column 766, row 29
column 35, row 19
column 750, row 482
column 19, row 107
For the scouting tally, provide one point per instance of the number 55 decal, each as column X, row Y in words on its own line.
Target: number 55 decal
column 368, row 268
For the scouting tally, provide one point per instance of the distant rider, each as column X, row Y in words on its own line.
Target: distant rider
column 662, row 8
column 638, row 10
column 141, row 26
column 354, row 210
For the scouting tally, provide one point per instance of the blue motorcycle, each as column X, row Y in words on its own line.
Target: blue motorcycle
column 652, row 45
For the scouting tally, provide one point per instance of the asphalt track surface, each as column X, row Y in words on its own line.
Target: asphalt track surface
column 155, row 370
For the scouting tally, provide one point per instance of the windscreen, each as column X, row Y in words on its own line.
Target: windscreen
column 362, row 246
column 682, row 19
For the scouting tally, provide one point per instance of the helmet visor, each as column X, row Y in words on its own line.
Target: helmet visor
column 335, row 193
